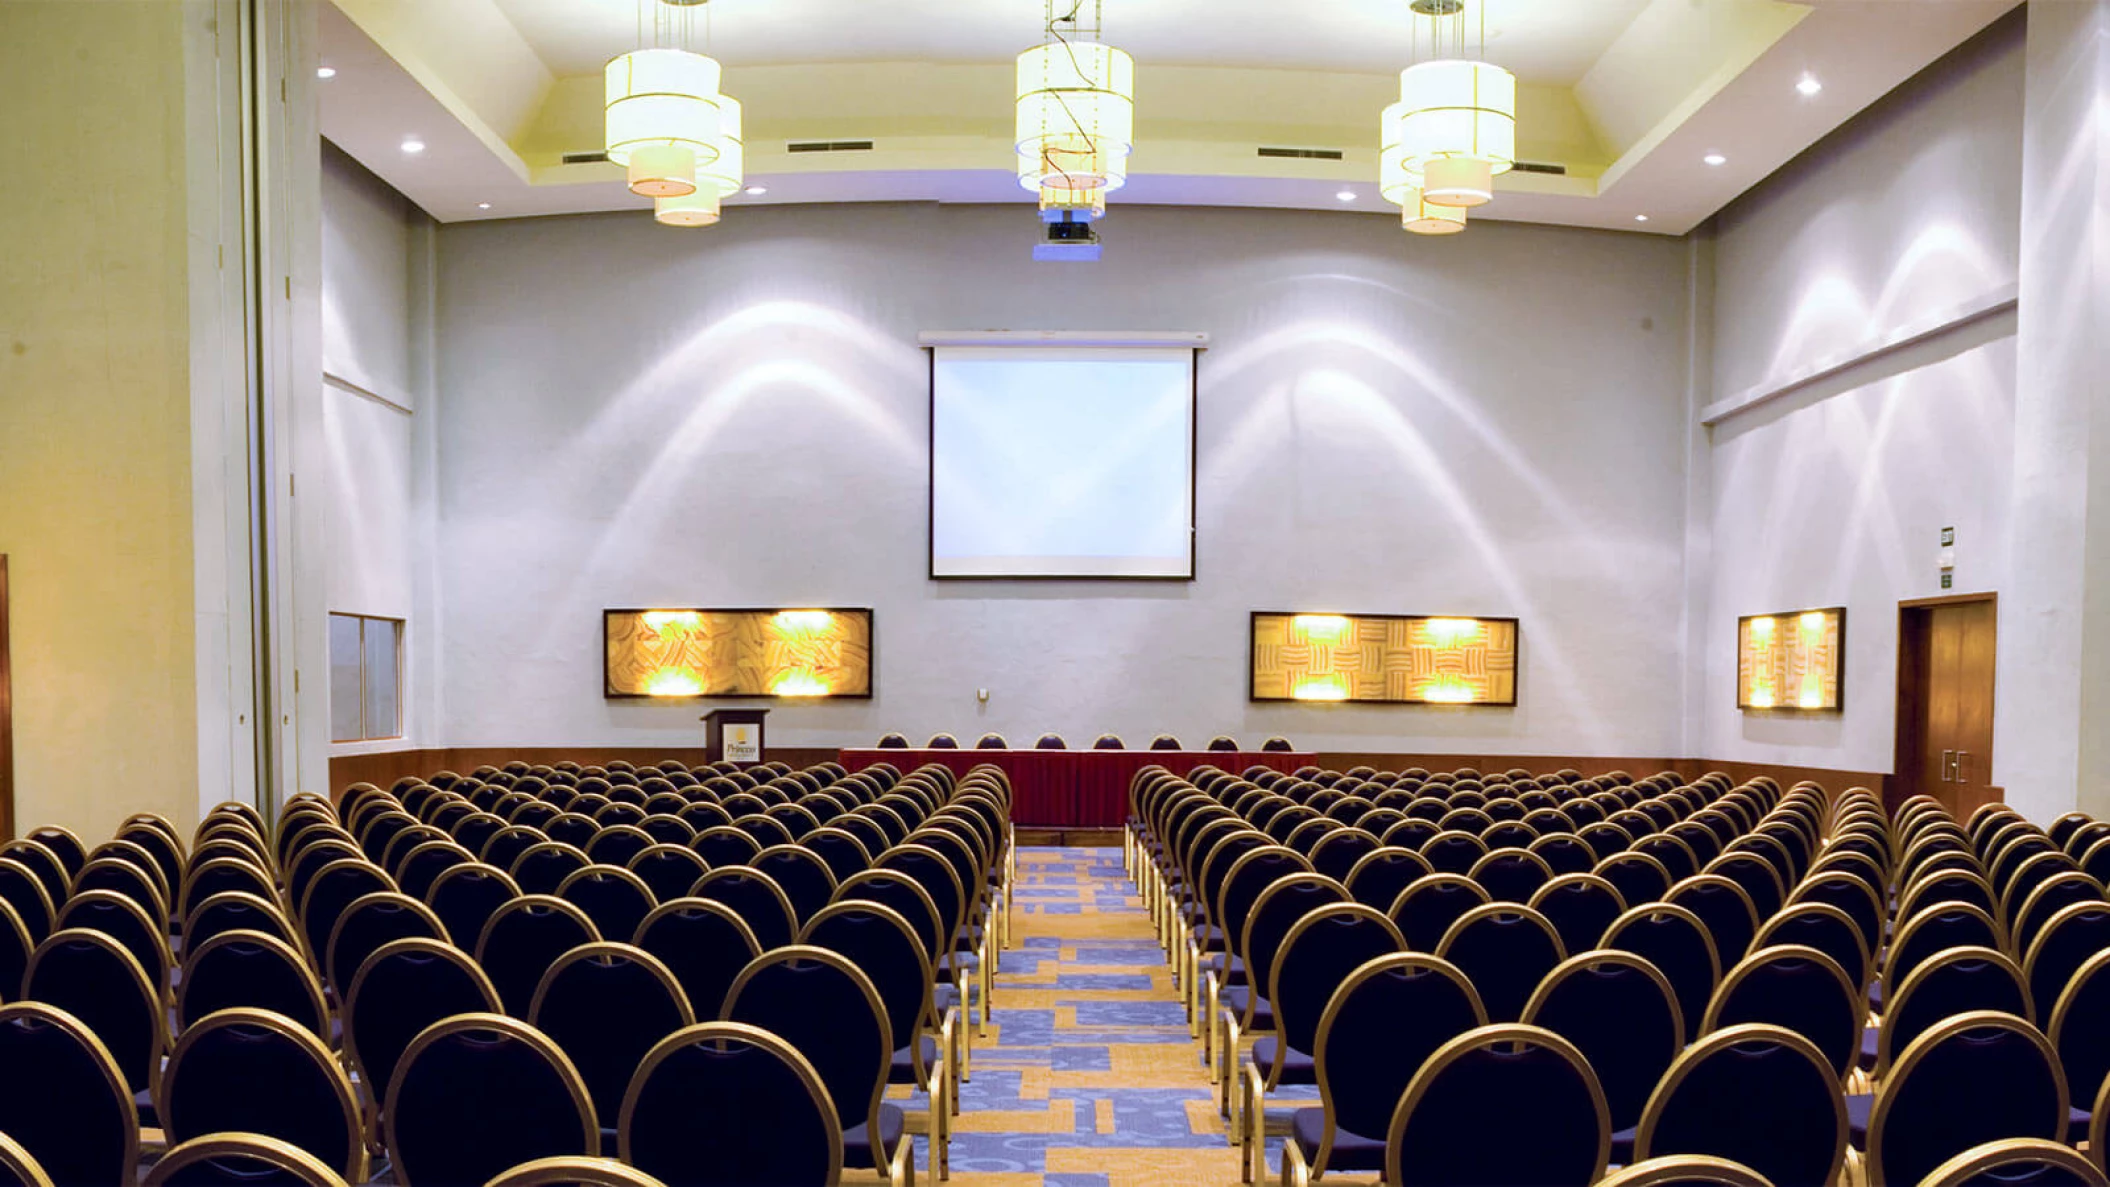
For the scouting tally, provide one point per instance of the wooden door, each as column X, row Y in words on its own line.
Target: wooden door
column 1945, row 703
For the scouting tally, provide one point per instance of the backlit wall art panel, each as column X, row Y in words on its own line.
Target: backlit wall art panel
column 1791, row 661
column 737, row 653
column 1384, row 658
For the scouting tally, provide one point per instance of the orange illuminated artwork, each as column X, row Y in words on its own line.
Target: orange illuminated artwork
column 1383, row 658
column 1790, row 661
column 737, row 653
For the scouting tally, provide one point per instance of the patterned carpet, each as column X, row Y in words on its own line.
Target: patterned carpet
column 1087, row 1077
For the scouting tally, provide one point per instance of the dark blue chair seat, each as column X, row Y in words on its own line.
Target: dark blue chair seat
column 1297, row 1067
column 1210, row 938
column 857, row 1140
column 143, row 1101
column 1623, row 1145
column 1875, row 995
column 1351, row 1151
column 1231, row 974
column 945, row 996
column 1233, row 999
column 1867, row 1060
column 903, row 1068
column 1858, row 1107
column 2077, row 1124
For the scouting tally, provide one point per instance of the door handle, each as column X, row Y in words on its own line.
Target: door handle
column 1948, row 760
column 1960, row 755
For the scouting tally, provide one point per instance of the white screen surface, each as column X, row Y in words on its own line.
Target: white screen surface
column 1062, row 462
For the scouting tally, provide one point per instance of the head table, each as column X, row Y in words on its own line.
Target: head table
column 1074, row 788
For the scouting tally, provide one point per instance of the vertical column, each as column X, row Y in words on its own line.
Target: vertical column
column 2052, row 734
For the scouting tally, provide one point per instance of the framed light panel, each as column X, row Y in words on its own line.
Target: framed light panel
column 1392, row 659
column 675, row 654
column 1794, row 661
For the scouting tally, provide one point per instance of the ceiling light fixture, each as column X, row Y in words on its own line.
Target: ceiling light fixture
column 483, row 206
column 1346, row 195
column 677, row 135
column 1715, row 158
column 326, row 72
column 413, row 145
column 1808, row 86
column 1457, row 113
column 755, row 191
column 1640, row 218
column 1075, row 108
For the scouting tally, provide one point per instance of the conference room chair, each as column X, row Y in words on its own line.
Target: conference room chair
column 1621, row 1013
column 1678, row 944
column 369, row 923
column 222, row 1159
column 2066, row 942
column 1760, row 1096
column 1511, row 875
column 575, row 1171
column 479, row 1093
column 1252, row 873
column 1640, row 878
column 404, row 987
column 122, row 920
column 1243, row 1007
column 1759, row 878
column 667, row 870
column 257, row 1072
column 522, row 939
column 247, row 969
column 725, row 845
column 1938, row 925
column 1102, row 742
column 614, row 898
column 1685, row 1170
column 1384, row 1021
column 92, row 977
column 755, row 897
column 2062, row 889
column 1827, row 929
column 1564, row 853
column 882, row 945
column 1951, row 982
column 416, row 870
column 1318, row 954
column 825, row 1007
column 606, row 1005
column 1797, row 988
column 22, row 890
column 1276, row 744
column 1580, row 907
column 1969, row 1079
column 1506, row 1103
column 1165, row 742
column 802, row 874
column 1725, row 907
column 722, row 1104
column 1426, row 909
column 2018, row 1162
column 942, row 742
column 991, row 742
column 1506, row 949
column 464, row 898
column 333, row 888
column 64, row 1101
column 217, row 875
column 1453, row 851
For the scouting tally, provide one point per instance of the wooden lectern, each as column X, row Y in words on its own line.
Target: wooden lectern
column 734, row 734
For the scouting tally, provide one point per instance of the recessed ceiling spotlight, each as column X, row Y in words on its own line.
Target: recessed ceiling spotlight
column 326, row 72
column 413, row 145
column 1715, row 158
column 755, row 191
column 1808, row 86
column 1346, row 195
column 483, row 206
column 1640, row 218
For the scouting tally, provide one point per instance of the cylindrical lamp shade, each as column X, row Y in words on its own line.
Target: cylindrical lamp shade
column 661, row 97
column 1457, row 108
column 1458, row 181
column 698, row 209
column 1084, row 204
column 1076, row 116
column 1427, row 218
column 728, row 172
column 1396, row 183
column 663, row 170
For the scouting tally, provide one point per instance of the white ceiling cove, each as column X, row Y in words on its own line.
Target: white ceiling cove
column 1622, row 99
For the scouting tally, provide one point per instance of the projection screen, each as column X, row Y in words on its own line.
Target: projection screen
column 1062, row 461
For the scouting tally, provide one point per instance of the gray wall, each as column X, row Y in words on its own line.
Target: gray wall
column 639, row 416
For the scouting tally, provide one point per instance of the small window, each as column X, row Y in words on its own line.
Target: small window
column 366, row 689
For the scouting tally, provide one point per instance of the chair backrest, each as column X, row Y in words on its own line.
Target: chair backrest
column 1622, row 1014
column 2063, row 945
column 367, row 924
column 1505, row 949
column 1968, row 1079
column 63, row 1100
column 478, row 1093
column 1757, row 1095
column 1756, row 875
column 1798, row 988
column 122, row 919
column 804, row 875
column 224, row 1158
column 1387, row 1017
column 251, row 969
column 1685, row 1170
column 94, row 978
column 258, row 1072
column 1938, row 926
column 1427, row 908
column 1379, row 875
column 904, row 894
column 607, row 1005
column 333, row 888
column 2053, row 894
column 464, row 897
column 522, row 939
column 755, row 897
column 1725, row 907
column 723, row 1104
column 404, row 987
column 2023, row 1162
column 823, row 1005
column 1951, row 982
column 1275, row 910
column 704, row 944
column 884, row 946
column 615, row 899
column 1500, row 1104
column 1639, row 877
column 1827, row 929
column 1316, row 957
column 1678, row 944
column 1580, row 907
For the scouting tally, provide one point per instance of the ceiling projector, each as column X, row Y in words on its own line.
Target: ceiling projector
column 1067, row 234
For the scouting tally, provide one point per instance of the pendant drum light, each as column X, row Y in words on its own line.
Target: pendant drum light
column 1075, row 107
column 662, row 117
column 1457, row 122
column 724, row 175
column 1402, row 187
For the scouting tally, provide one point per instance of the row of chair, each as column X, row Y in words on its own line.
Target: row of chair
column 1221, row 742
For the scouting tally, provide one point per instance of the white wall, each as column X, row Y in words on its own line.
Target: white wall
column 640, row 416
column 377, row 402
column 1835, row 493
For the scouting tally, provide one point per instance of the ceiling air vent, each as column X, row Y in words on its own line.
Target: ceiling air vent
column 1303, row 154
column 1540, row 167
column 829, row 146
column 585, row 158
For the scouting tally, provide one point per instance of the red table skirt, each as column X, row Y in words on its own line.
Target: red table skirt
column 1075, row 788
